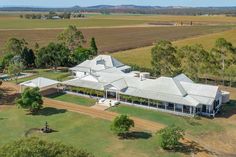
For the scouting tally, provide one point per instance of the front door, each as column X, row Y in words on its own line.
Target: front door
column 204, row 108
column 111, row 95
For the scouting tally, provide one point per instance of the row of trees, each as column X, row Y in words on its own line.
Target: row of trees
column 194, row 60
column 51, row 15
column 67, row 51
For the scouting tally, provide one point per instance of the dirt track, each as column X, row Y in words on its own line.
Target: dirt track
column 139, row 123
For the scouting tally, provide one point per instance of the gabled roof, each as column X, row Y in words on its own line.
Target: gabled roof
column 39, row 82
column 186, row 100
column 84, row 83
column 183, row 78
column 200, row 89
column 99, row 63
column 118, row 84
column 106, row 73
column 165, row 85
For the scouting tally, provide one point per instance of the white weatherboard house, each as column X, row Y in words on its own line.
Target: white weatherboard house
column 178, row 95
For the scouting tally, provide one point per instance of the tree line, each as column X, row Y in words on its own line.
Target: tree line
column 132, row 9
column 195, row 61
column 51, row 15
column 67, row 51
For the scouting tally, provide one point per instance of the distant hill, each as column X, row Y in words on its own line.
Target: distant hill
column 134, row 9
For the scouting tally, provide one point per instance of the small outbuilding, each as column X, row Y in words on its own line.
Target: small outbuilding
column 42, row 83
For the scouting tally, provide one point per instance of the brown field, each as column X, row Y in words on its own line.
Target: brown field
column 220, row 19
column 114, row 39
column 142, row 56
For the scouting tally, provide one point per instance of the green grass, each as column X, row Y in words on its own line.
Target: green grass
column 78, row 130
column 142, row 56
column 73, row 99
column 192, row 125
column 51, row 74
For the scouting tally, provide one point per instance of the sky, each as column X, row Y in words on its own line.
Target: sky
column 69, row 3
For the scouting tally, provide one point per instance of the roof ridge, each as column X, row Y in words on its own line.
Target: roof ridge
column 180, row 87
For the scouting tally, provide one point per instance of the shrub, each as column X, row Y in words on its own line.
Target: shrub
column 170, row 137
column 30, row 99
column 121, row 125
column 34, row 147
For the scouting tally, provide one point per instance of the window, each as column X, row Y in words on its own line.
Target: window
column 216, row 103
column 186, row 109
column 170, row 106
column 161, row 106
column 178, row 107
column 204, row 108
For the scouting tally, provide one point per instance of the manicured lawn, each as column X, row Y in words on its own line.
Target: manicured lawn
column 191, row 125
column 80, row 131
column 73, row 99
column 51, row 74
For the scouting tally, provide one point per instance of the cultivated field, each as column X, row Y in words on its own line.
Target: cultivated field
column 12, row 21
column 17, row 23
column 142, row 56
column 114, row 32
column 202, row 20
column 115, row 39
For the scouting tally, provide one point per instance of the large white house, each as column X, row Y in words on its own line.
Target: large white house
column 178, row 95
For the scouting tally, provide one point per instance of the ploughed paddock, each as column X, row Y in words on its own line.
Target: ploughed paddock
column 106, row 78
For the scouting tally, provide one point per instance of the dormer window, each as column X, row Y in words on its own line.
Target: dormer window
column 101, row 61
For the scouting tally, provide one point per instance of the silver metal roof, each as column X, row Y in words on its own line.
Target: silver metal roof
column 39, row 82
column 180, row 89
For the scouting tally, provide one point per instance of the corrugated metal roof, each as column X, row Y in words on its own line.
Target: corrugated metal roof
column 183, row 78
column 180, row 89
column 99, row 63
column 186, row 100
column 200, row 89
column 86, row 84
column 39, row 82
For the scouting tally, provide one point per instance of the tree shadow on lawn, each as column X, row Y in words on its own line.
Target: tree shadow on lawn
column 228, row 110
column 191, row 147
column 137, row 135
column 48, row 111
column 3, row 118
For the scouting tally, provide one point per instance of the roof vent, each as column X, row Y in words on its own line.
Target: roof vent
column 144, row 75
